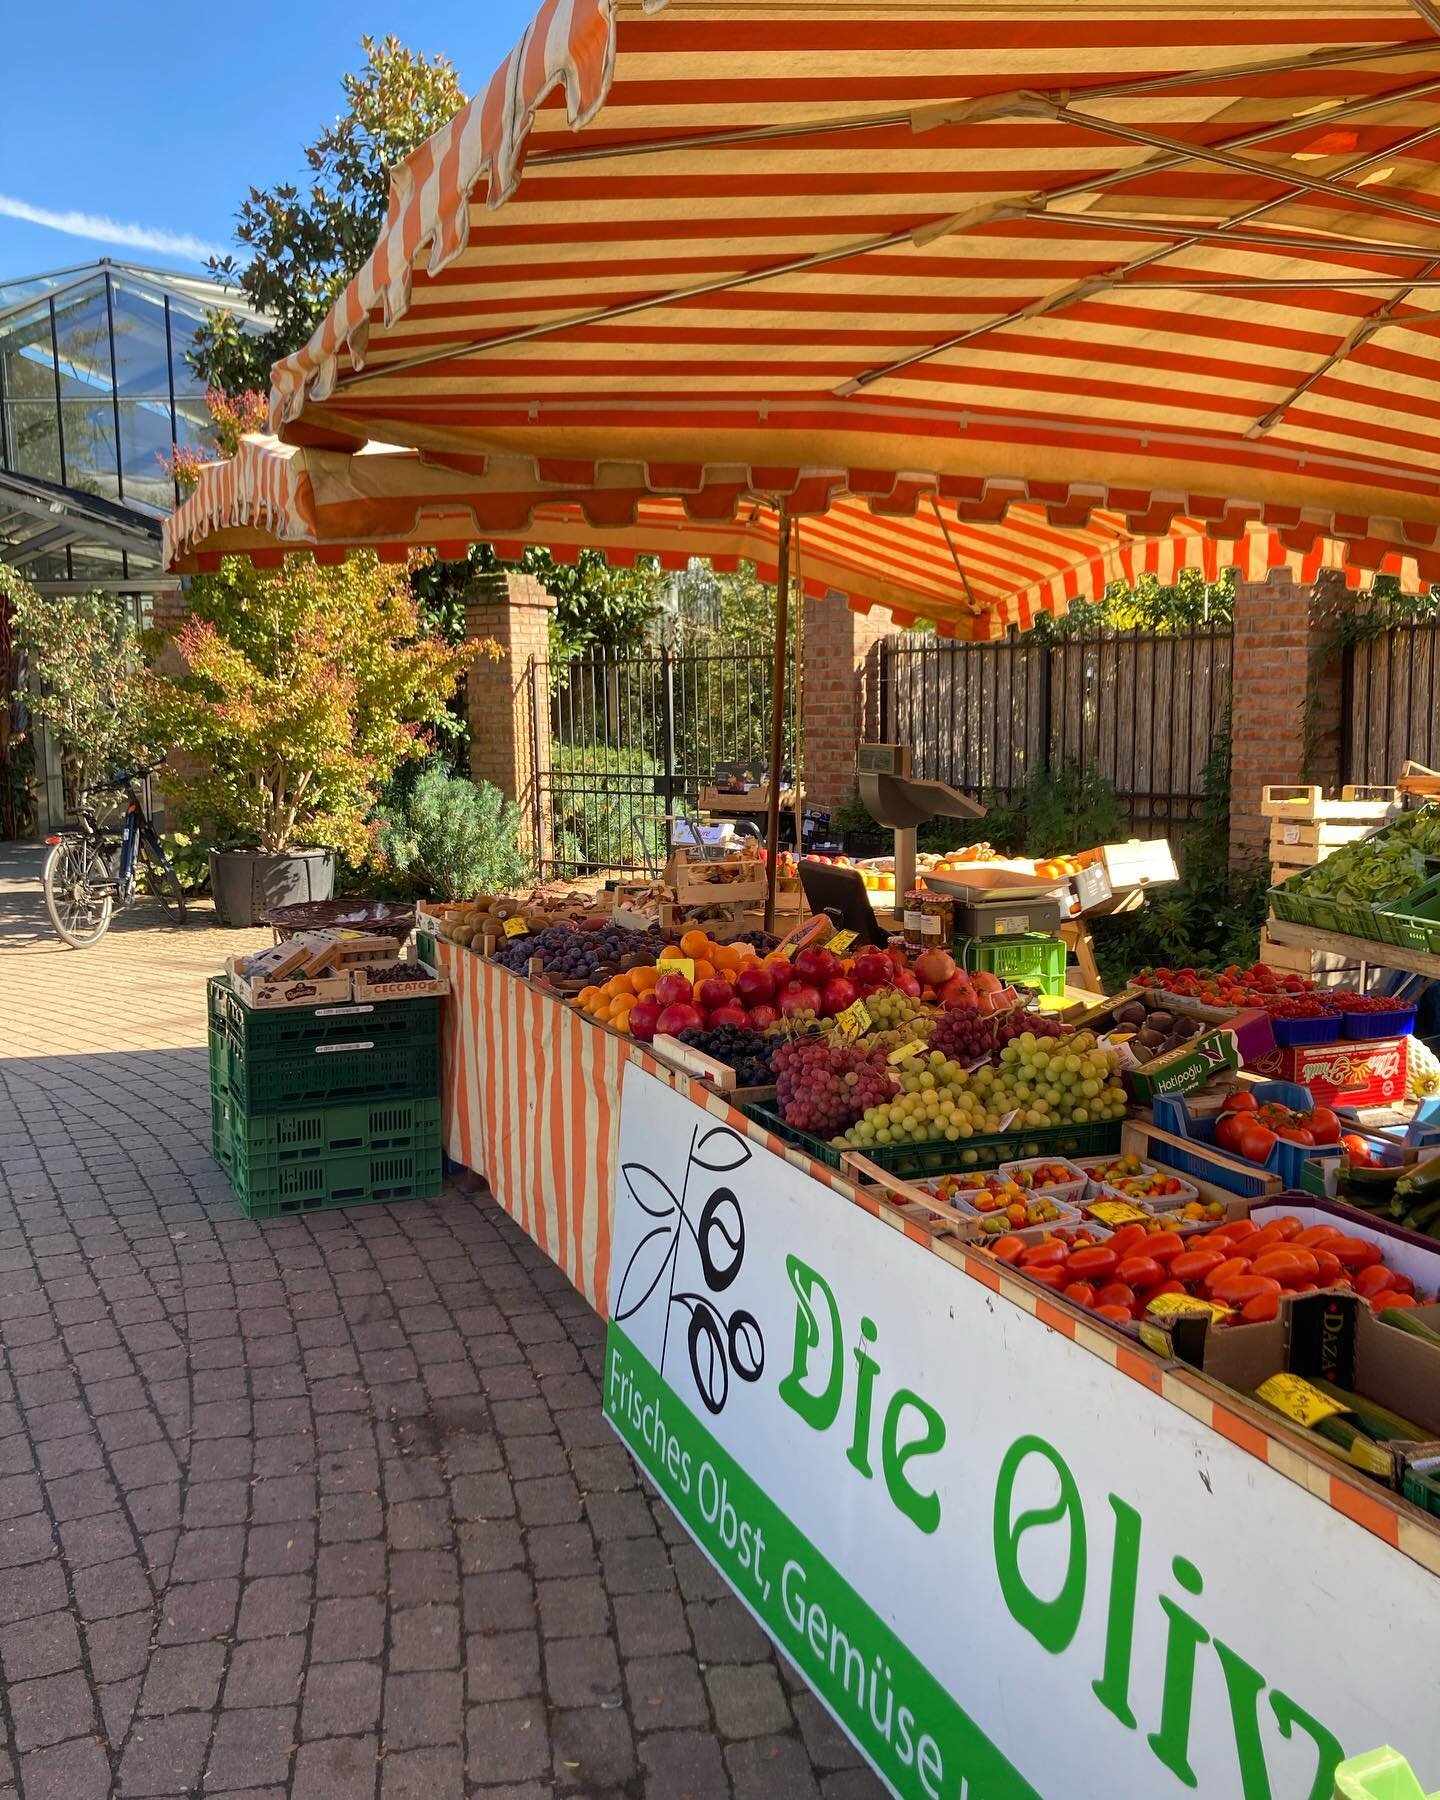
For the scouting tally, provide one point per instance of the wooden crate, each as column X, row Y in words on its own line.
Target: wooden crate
column 1305, row 804
column 1321, row 966
column 698, row 881
column 1311, row 841
column 1142, row 862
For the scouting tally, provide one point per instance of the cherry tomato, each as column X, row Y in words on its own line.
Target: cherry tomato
column 1140, row 1271
column 1259, row 1307
column 1096, row 1260
column 1080, row 1292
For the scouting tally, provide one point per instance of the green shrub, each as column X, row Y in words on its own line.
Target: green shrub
column 606, row 808
column 450, row 837
column 189, row 858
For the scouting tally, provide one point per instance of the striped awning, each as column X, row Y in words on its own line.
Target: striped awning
column 971, row 580
column 1160, row 260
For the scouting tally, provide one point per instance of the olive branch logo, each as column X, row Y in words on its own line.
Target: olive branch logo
column 718, row 1345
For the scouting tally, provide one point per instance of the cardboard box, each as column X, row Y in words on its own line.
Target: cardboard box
column 263, row 992
column 1352, row 1072
column 1186, row 1070
column 1092, row 887
column 1142, row 862
column 420, row 980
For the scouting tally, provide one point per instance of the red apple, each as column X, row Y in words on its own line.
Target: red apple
column 715, row 991
column 643, row 1015
column 762, row 1017
column 837, row 994
column 799, row 998
column 675, row 1018
column 935, row 967
column 673, row 990
column 727, row 1015
column 755, row 985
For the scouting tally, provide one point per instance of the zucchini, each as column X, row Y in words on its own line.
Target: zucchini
column 1338, row 1438
column 1376, row 1421
column 1403, row 1319
column 1423, row 1217
column 1421, row 1181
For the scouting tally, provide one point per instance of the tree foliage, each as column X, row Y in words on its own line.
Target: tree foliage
column 450, row 838
column 305, row 240
column 83, row 658
column 301, row 693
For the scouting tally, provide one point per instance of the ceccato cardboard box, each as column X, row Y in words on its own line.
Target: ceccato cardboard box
column 1353, row 1072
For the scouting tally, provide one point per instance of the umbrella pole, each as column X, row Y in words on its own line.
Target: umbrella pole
column 777, row 719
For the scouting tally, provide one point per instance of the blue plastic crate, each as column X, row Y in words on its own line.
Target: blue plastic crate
column 1285, row 1160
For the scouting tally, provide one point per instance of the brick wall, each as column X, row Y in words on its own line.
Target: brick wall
column 841, row 697
column 1283, row 679
column 509, row 736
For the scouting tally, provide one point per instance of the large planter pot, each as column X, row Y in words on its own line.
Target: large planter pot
column 246, row 883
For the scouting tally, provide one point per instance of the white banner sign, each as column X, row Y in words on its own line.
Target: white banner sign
column 1008, row 1569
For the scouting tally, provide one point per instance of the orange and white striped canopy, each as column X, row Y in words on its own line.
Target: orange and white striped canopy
column 273, row 498
column 1161, row 259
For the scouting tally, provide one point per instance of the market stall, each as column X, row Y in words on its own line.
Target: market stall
column 1020, row 1539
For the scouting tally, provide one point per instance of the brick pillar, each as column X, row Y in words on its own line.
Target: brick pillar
column 841, row 699
column 1285, row 699
column 509, row 730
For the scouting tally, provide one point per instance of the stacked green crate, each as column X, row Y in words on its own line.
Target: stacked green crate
column 320, row 1107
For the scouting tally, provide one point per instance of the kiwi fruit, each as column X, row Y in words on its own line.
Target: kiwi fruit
column 463, row 934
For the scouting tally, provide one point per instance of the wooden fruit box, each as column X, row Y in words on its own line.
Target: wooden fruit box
column 1142, row 862
column 1311, row 841
column 421, row 981
column 735, row 923
column 1319, row 965
column 1357, row 804
column 709, row 1069
column 702, row 883
column 757, row 800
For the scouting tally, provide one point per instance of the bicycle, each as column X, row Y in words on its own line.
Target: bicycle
column 90, row 870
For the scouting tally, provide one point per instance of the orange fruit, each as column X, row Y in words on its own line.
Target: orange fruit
column 694, row 943
column 703, row 970
column 623, row 1002
column 621, row 1022
column 643, row 980
column 725, row 956
column 587, row 994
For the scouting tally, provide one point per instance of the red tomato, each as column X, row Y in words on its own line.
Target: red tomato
column 1115, row 1293
column 1374, row 1280
column 1381, row 1301
column 1324, row 1125
column 1119, row 1315
column 1358, row 1152
column 1165, row 1287
column 1296, row 1134
column 1256, row 1142
column 1050, row 1275
column 1080, row 1292
column 1229, row 1270
column 1316, row 1237
column 1403, row 1284
column 1097, row 1261
column 1228, row 1130
column 1162, row 1245
column 1195, row 1265
column 1242, row 1100
column 1139, row 1271
column 1355, row 1253
column 1008, row 1248
column 1327, row 1267
column 1259, row 1307
column 1240, row 1288
column 1287, row 1266
column 1127, row 1238
column 1043, row 1256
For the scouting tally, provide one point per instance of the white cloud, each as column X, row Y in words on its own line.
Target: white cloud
column 111, row 231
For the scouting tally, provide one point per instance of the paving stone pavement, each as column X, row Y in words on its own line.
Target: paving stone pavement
column 320, row 1508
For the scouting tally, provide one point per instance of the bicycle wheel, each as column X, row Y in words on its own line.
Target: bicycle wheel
column 80, row 916
column 161, row 881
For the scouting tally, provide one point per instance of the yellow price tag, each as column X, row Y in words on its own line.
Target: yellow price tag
column 841, row 942
column 677, row 965
column 1116, row 1212
column 854, row 1022
column 906, row 1051
column 1170, row 1306
column 1298, row 1400
column 516, row 927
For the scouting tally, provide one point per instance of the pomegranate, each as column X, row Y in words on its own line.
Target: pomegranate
column 984, row 982
column 781, row 968
column 798, row 997
column 871, row 969
column 762, row 1017
column 714, row 992
column 755, row 986
column 907, row 984
column 726, row 1015
column 837, row 994
column 957, row 991
column 673, row 990
column 817, row 966
column 675, row 1018
column 935, row 967
column 643, row 1015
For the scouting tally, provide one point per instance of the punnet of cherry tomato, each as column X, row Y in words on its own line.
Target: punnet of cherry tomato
column 1241, row 1268
column 1251, row 1128
column 1233, row 987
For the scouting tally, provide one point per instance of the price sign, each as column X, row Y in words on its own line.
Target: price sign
column 1170, row 1306
column 1116, row 1212
column 906, row 1051
column 854, row 1022
column 1298, row 1400
column 516, row 927
column 841, row 942
column 678, row 965
column 1011, row 1116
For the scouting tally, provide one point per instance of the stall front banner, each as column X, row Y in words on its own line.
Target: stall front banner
column 1007, row 1568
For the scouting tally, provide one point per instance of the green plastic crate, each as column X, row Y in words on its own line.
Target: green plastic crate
column 380, row 1179
column 1378, row 1775
column 1414, row 922
column 908, row 1161
column 323, row 1076
column 1031, row 960
column 315, row 1134
column 271, row 1032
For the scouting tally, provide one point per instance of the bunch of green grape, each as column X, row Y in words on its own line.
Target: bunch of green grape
column 889, row 1008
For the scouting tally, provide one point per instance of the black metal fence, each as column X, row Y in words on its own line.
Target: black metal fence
column 1390, row 708
column 1143, row 709
column 630, row 742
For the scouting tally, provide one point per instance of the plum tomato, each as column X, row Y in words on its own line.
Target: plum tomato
column 1260, row 1307
column 1080, row 1292
column 1118, row 1315
column 1139, row 1271
column 1097, row 1262
column 1115, row 1293
column 1162, row 1245
column 1195, row 1265
column 1239, row 1288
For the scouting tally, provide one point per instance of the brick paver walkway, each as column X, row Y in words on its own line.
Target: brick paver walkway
column 320, row 1508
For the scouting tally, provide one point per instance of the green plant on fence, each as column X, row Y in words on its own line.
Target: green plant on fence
column 449, row 837
column 190, row 859
column 605, row 809
column 1057, row 810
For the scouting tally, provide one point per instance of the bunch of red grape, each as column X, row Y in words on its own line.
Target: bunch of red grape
column 1015, row 1023
column 964, row 1033
column 824, row 1088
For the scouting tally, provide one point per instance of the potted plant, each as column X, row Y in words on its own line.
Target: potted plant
column 294, row 694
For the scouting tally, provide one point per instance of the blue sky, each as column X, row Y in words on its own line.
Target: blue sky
column 157, row 116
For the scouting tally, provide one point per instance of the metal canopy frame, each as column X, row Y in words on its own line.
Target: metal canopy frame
column 39, row 518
